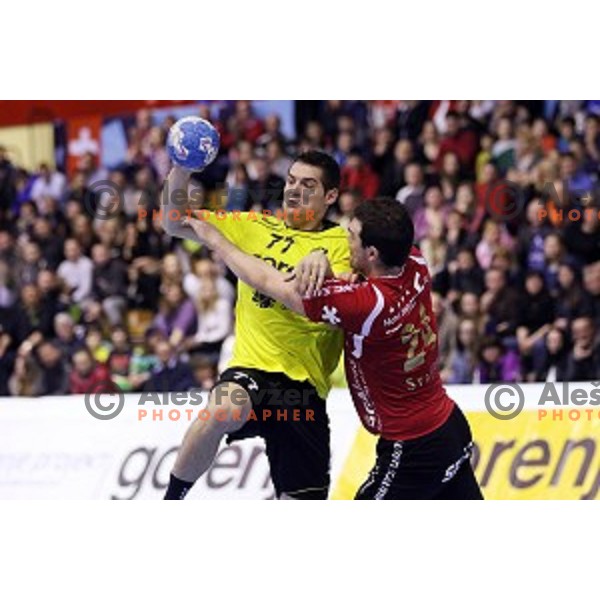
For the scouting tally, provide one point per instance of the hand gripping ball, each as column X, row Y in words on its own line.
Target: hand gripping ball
column 193, row 143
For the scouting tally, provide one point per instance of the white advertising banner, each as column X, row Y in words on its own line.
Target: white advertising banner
column 53, row 448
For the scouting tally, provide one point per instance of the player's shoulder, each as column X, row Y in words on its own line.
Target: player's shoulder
column 329, row 231
column 415, row 263
column 333, row 231
column 416, row 256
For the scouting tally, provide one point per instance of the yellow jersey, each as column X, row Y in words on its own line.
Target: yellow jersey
column 269, row 336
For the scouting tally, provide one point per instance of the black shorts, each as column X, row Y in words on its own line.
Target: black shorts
column 292, row 419
column 433, row 467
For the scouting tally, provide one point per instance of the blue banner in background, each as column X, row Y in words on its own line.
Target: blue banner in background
column 114, row 130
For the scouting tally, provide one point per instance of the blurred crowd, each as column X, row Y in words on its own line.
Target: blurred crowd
column 85, row 300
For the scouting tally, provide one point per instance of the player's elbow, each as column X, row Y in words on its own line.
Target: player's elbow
column 173, row 226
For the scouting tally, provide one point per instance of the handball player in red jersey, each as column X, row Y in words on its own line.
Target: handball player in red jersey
column 391, row 349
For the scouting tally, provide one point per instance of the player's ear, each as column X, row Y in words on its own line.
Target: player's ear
column 331, row 196
column 372, row 254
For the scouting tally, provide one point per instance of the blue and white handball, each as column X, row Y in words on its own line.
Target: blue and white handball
column 193, row 143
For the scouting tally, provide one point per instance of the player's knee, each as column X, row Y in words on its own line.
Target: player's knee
column 229, row 405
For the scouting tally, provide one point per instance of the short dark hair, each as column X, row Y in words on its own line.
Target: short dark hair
column 387, row 226
column 329, row 167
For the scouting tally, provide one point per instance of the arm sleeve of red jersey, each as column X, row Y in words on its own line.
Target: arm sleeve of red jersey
column 341, row 304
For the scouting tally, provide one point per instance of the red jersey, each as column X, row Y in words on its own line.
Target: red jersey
column 391, row 349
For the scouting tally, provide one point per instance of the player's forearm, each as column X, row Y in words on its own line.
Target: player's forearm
column 173, row 212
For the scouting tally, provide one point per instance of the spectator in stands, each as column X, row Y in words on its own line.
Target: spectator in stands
column 7, row 357
column 32, row 315
column 505, row 148
column 265, row 189
column 170, row 374
column 434, row 247
column 30, row 263
column 500, row 303
column 25, row 378
column 177, row 316
column 456, row 235
column 570, row 300
column 272, row 133
column 449, row 176
column 120, row 357
column 461, row 364
column 109, row 284
column 65, row 334
column 53, row 375
column 8, row 250
column 412, row 194
column 429, row 146
column 52, row 294
column 7, row 294
column 534, row 320
column 87, row 375
column 583, row 361
column 83, row 233
column 76, row 271
column 554, row 255
column 497, row 364
column 96, row 345
column 382, row 151
column 493, row 238
column 433, row 213
column 591, row 283
column 554, row 363
column 7, row 182
column 48, row 184
column 215, row 322
column 203, row 269
column 238, row 182
column 469, row 307
column 49, row 243
column 447, row 323
column 466, row 276
column 358, row 175
column 347, row 204
column 279, row 162
column 530, row 242
column 458, row 139
column 393, row 176
column 28, row 213
column 571, row 171
column 582, row 236
column 204, row 372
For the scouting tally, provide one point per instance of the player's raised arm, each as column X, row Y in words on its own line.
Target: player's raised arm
column 253, row 271
column 175, row 205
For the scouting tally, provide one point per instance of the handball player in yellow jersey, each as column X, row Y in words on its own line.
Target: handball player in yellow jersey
column 278, row 377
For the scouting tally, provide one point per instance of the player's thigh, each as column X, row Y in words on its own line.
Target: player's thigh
column 400, row 473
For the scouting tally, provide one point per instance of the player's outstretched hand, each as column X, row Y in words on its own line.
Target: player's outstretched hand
column 311, row 273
